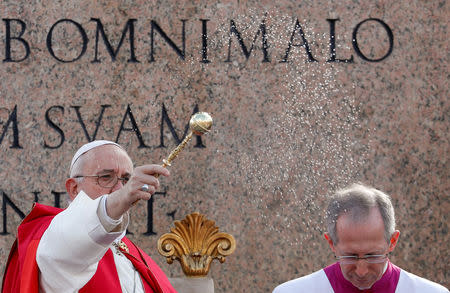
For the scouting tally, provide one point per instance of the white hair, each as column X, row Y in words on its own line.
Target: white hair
column 356, row 201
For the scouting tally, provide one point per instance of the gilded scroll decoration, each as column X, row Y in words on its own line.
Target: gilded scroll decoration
column 195, row 241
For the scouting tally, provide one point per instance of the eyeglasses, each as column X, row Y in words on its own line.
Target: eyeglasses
column 107, row 180
column 353, row 259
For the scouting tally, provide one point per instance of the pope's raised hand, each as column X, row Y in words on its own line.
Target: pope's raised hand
column 141, row 185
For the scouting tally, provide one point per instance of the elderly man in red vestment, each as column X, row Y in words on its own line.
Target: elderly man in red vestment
column 83, row 248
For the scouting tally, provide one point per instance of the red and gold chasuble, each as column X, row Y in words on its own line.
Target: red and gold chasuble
column 22, row 272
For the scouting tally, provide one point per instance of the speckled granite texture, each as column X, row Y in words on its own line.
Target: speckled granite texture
column 286, row 134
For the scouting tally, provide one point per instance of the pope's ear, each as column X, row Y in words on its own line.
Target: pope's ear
column 72, row 188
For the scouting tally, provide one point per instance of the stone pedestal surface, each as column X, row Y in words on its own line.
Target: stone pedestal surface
column 285, row 134
column 193, row 285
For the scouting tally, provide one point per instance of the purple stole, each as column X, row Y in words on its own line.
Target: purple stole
column 387, row 283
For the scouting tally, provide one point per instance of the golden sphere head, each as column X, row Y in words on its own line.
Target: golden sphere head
column 200, row 123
